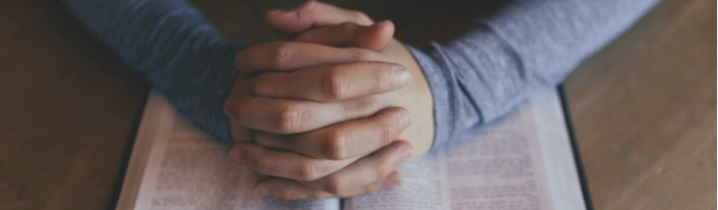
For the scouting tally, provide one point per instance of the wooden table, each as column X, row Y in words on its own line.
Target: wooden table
column 644, row 109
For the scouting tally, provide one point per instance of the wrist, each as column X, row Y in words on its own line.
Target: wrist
column 417, row 99
column 434, row 78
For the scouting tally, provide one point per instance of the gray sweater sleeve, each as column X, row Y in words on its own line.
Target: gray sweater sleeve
column 179, row 52
column 489, row 71
column 475, row 79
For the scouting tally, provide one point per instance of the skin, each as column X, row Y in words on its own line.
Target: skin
column 332, row 113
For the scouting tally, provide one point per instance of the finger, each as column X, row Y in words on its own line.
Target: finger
column 284, row 164
column 363, row 172
column 283, row 56
column 292, row 190
column 313, row 14
column 332, row 82
column 344, row 140
column 292, row 116
column 286, row 189
column 392, row 180
column 351, row 34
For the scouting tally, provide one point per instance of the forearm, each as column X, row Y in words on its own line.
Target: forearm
column 180, row 53
column 486, row 73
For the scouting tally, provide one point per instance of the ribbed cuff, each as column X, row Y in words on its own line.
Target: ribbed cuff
column 437, row 77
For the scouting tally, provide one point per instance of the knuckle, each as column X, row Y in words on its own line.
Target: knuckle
column 349, row 28
column 334, row 146
column 384, row 133
column 288, row 118
column 360, row 17
column 333, row 86
column 245, row 57
column 308, row 171
column 261, row 89
column 261, row 166
column 385, row 167
column 282, row 54
column 238, row 110
column 261, row 85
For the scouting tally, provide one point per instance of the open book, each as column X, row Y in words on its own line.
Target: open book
column 522, row 162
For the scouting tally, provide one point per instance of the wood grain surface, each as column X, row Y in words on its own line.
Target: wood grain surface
column 644, row 108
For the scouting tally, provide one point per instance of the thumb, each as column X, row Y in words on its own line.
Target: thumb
column 313, row 14
column 350, row 34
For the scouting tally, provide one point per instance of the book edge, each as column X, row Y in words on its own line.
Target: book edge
column 574, row 146
column 126, row 155
column 136, row 159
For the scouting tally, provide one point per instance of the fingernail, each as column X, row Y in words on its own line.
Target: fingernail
column 405, row 154
column 385, row 26
column 236, row 155
column 230, row 110
column 291, row 14
column 402, row 75
column 262, row 190
column 283, row 13
column 376, row 25
column 383, row 23
column 391, row 182
column 231, row 115
column 404, row 120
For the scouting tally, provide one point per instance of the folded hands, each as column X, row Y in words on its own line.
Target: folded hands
column 331, row 113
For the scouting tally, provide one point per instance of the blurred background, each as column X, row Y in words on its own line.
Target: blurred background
column 643, row 108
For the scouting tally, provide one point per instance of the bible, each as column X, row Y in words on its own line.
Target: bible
column 525, row 161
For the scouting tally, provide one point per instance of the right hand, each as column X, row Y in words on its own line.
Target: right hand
column 321, row 96
column 366, row 174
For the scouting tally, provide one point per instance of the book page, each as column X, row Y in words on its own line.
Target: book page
column 186, row 170
column 498, row 167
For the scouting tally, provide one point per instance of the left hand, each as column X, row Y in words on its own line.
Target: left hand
column 336, row 139
column 364, row 173
column 415, row 97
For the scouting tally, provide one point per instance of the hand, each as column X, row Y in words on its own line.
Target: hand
column 363, row 176
column 316, row 156
column 414, row 97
